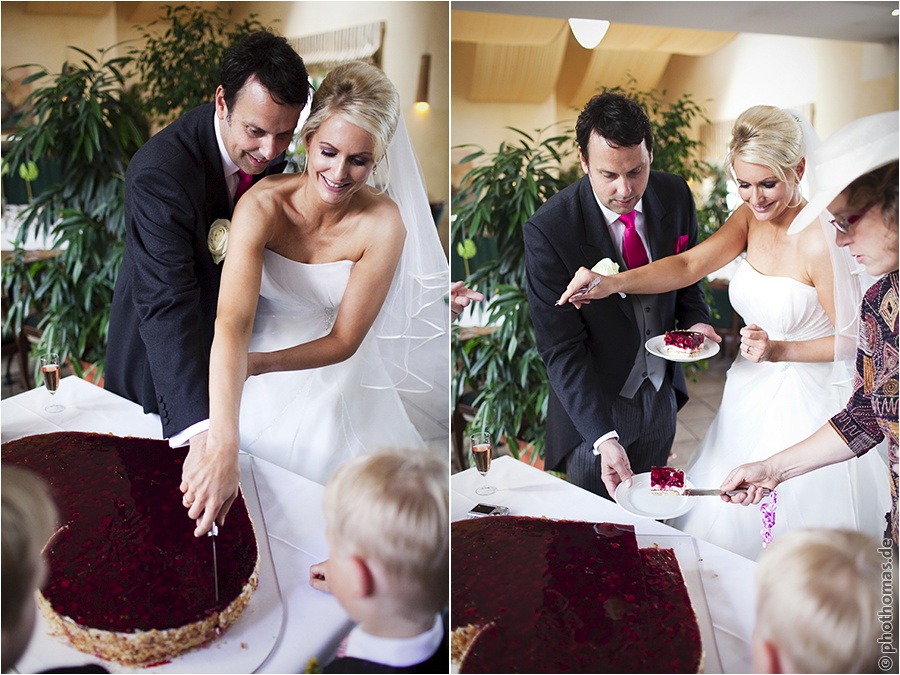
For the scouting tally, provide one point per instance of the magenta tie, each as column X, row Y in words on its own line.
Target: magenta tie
column 245, row 180
column 633, row 250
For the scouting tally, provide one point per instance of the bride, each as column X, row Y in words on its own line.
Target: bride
column 328, row 287
column 793, row 370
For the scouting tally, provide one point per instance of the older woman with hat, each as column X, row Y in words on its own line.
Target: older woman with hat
column 856, row 174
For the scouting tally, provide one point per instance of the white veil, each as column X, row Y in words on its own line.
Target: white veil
column 414, row 313
column 850, row 278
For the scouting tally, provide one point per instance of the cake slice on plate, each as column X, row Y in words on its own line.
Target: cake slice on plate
column 683, row 342
column 665, row 480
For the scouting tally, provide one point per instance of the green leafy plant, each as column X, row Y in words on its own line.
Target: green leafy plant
column 87, row 122
column 499, row 370
column 503, row 367
column 181, row 59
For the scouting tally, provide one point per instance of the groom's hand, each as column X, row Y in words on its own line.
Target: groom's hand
column 707, row 330
column 614, row 466
column 210, row 483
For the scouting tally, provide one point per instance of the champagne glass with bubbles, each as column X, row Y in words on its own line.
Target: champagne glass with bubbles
column 50, row 373
column 482, row 447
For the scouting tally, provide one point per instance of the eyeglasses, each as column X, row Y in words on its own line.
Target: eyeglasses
column 843, row 225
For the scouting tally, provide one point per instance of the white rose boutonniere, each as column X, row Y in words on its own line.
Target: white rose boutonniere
column 217, row 240
column 606, row 267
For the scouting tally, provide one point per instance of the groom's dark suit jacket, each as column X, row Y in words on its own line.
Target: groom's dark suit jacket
column 589, row 352
column 164, row 307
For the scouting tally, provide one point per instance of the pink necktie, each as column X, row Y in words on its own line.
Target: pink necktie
column 633, row 250
column 245, row 180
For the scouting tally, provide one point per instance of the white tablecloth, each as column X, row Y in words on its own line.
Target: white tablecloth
column 727, row 578
column 314, row 623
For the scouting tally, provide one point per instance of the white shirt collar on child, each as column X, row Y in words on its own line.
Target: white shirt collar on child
column 395, row 652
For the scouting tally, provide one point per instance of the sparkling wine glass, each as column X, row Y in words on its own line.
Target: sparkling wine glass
column 482, row 447
column 50, row 373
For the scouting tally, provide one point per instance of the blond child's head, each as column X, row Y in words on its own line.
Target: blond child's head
column 818, row 598
column 28, row 522
column 390, row 510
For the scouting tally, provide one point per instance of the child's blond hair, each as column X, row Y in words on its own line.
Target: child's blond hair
column 392, row 507
column 818, row 598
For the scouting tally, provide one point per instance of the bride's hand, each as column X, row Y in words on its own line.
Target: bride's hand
column 210, row 481
column 582, row 279
column 755, row 344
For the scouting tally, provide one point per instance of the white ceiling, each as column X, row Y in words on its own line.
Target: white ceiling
column 855, row 21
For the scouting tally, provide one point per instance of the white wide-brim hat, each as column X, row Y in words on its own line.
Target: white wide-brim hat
column 862, row 146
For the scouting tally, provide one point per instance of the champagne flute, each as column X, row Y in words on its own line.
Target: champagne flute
column 50, row 373
column 482, row 447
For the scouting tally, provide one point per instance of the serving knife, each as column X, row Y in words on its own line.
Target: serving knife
column 213, row 533
column 715, row 492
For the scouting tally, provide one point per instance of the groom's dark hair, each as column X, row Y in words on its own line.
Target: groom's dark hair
column 618, row 119
column 274, row 63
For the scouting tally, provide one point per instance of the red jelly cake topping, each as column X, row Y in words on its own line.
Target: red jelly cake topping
column 125, row 558
column 665, row 478
column 686, row 340
column 566, row 596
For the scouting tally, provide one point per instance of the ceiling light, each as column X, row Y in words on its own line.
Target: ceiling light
column 588, row 32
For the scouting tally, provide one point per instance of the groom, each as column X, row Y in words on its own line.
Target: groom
column 177, row 185
column 612, row 405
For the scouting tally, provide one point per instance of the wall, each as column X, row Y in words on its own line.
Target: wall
column 843, row 81
column 412, row 29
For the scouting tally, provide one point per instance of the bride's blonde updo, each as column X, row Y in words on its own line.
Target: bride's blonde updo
column 770, row 137
column 363, row 95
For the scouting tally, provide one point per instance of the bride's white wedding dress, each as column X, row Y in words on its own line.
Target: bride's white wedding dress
column 311, row 421
column 767, row 407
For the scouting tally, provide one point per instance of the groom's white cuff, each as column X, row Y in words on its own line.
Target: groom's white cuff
column 605, row 437
column 184, row 437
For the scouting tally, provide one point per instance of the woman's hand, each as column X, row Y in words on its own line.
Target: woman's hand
column 583, row 279
column 755, row 344
column 755, row 477
column 210, row 482
column 461, row 297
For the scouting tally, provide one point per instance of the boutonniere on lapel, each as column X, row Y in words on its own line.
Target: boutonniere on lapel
column 217, row 240
column 606, row 267
column 681, row 244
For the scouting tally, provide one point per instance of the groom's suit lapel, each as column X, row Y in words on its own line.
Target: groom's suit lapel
column 596, row 243
column 656, row 224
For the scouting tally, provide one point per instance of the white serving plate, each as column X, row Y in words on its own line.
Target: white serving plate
column 639, row 501
column 657, row 347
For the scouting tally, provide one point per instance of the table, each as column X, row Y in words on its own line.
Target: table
column 314, row 623
column 728, row 579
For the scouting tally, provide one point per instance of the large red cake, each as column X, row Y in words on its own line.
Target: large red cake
column 532, row 595
column 128, row 580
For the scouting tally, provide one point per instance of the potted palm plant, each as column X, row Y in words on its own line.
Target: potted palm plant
column 88, row 123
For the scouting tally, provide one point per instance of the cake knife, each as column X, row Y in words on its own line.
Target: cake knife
column 213, row 533
column 715, row 492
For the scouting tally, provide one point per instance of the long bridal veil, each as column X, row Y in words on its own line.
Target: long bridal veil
column 412, row 328
column 850, row 278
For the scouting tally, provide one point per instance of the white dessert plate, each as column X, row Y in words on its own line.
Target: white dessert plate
column 243, row 648
column 638, row 501
column 657, row 347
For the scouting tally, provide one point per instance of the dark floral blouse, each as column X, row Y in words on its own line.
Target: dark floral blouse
column 871, row 413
